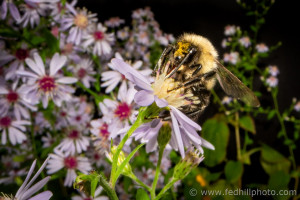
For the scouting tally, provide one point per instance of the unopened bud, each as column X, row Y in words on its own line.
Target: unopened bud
column 127, row 169
column 164, row 135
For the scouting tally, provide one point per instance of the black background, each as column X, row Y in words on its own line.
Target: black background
column 208, row 18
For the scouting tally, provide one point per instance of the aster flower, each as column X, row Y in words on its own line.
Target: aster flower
column 297, row 106
column 32, row 12
column 25, row 191
column 262, row 48
column 112, row 78
column 101, row 135
column 84, row 71
column 14, row 129
column 230, row 30
column 12, row 174
column 273, row 70
column 232, row 57
column 78, row 23
column 13, row 98
column 57, row 9
column 245, row 41
column 47, row 140
column 123, row 34
column 79, row 115
column 146, row 175
column 99, row 40
column 71, row 163
column 74, row 142
column 114, row 22
column 9, row 5
column 272, row 81
column 227, row 100
column 118, row 114
column 44, row 86
column 184, row 129
column 224, row 43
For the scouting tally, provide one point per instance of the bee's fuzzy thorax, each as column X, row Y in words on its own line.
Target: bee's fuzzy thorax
column 208, row 52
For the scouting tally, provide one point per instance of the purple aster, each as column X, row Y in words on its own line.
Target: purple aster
column 44, row 86
column 9, row 5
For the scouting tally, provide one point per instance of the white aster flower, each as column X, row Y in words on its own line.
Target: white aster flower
column 44, row 86
column 112, row 78
column 272, row 81
column 245, row 41
column 230, row 30
column 78, row 23
column 9, row 5
column 71, row 163
column 114, row 22
column 101, row 135
column 297, row 106
column 14, row 129
column 26, row 192
column 74, row 142
column 262, row 48
column 32, row 12
column 273, row 70
column 226, row 100
column 99, row 41
column 84, row 71
column 13, row 98
column 232, row 57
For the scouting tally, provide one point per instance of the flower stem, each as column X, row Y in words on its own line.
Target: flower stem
column 110, row 191
column 157, row 172
column 133, row 177
column 238, row 142
column 165, row 189
column 136, row 124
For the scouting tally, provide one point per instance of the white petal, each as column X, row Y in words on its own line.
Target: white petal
column 144, row 98
column 177, row 135
column 57, row 62
column 67, row 80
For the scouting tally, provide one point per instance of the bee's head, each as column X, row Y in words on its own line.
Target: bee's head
column 183, row 49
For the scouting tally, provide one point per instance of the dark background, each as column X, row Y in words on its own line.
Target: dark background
column 208, row 18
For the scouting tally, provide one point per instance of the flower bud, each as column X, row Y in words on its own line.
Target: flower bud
column 191, row 160
column 164, row 135
column 127, row 171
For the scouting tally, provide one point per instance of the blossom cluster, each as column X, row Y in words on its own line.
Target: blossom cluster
column 63, row 96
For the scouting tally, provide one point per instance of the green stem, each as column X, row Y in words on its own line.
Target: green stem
column 91, row 92
column 157, row 172
column 237, row 136
column 110, row 192
column 165, row 189
column 136, row 124
column 133, row 177
column 280, row 118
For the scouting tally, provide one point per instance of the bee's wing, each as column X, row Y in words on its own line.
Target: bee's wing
column 234, row 87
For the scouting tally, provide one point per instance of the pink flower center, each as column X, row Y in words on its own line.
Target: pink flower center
column 22, row 54
column 81, row 73
column 123, row 77
column 104, row 130
column 98, row 35
column 70, row 162
column 97, row 156
column 78, row 118
column 47, row 84
column 5, row 122
column 123, row 111
column 12, row 97
column 63, row 114
column 74, row 134
column 87, row 198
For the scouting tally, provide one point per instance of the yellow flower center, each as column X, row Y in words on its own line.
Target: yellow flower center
column 81, row 21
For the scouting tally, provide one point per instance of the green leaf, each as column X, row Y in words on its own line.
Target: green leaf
column 233, row 171
column 217, row 133
column 247, row 123
column 141, row 195
column 120, row 169
column 271, row 114
column 272, row 161
column 19, row 158
column 279, row 181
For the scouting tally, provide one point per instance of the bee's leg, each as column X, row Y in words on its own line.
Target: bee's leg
column 192, row 81
column 198, row 67
column 191, row 51
column 194, row 113
column 166, row 51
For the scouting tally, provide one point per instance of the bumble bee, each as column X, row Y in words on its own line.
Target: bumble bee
column 193, row 64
